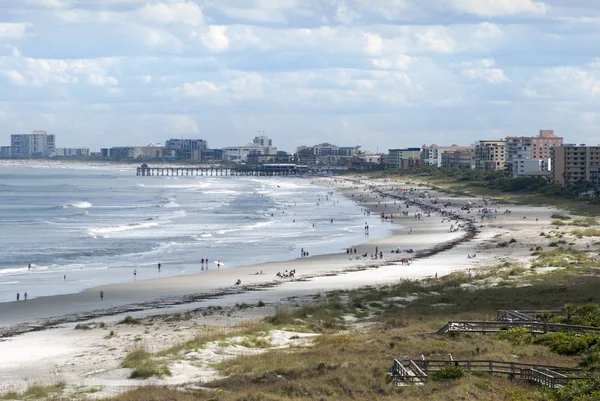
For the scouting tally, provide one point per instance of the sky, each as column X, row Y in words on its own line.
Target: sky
column 377, row 73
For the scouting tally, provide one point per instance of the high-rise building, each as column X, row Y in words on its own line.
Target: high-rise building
column 522, row 148
column 36, row 144
column 186, row 149
column 432, row 155
column 463, row 159
column 490, row 155
column 405, row 158
column 571, row 164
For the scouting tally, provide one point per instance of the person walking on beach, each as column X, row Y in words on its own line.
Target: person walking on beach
column 159, row 267
column 25, row 296
column 101, row 295
column 134, row 273
column 29, row 267
column 65, row 277
column 18, row 296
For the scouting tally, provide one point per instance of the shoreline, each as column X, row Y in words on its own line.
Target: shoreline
column 164, row 293
column 91, row 357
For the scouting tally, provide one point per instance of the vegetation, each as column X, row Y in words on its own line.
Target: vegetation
column 36, row 391
column 502, row 184
column 130, row 320
column 143, row 364
column 448, row 373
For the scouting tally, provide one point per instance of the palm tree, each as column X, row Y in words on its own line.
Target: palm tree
column 569, row 309
column 545, row 318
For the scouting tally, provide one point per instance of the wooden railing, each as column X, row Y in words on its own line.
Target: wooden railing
column 412, row 374
column 546, row 375
column 526, row 314
column 494, row 326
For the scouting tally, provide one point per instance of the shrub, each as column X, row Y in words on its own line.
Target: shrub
column 448, row 373
column 516, row 335
column 567, row 343
column 130, row 320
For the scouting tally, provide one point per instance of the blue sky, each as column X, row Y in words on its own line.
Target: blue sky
column 377, row 73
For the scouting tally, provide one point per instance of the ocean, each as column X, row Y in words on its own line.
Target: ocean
column 96, row 223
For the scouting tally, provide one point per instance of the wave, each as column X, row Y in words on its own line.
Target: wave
column 102, row 231
column 81, row 205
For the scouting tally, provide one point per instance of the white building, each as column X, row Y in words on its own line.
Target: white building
column 70, row 152
column 36, row 144
column 523, row 167
column 186, row 149
column 433, row 155
column 261, row 145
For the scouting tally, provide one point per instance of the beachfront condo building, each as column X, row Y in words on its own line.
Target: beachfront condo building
column 572, row 164
column 36, row 144
column 261, row 145
column 405, row 158
column 70, row 152
column 432, row 155
column 520, row 149
column 186, row 149
column 463, row 159
column 490, row 155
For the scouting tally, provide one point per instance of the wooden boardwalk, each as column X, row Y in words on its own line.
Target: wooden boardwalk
column 496, row 326
column 415, row 372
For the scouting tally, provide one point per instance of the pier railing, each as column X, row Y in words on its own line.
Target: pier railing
column 243, row 170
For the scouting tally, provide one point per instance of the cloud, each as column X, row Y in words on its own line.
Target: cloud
column 216, row 39
column 484, row 70
column 497, row 8
column 344, row 71
column 185, row 12
column 13, row 30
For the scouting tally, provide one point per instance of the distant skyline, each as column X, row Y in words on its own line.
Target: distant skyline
column 377, row 73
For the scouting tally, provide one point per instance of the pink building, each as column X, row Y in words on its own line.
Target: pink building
column 541, row 145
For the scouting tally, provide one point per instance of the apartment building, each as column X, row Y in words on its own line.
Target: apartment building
column 36, row 144
column 535, row 148
column 463, row 159
column 70, row 152
column 433, row 154
column 490, row 155
column 186, row 149
column 405, row 158
column 572, row 164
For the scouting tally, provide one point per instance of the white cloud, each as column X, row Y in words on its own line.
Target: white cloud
column 374, row 44
column 13, row 30
column 15, row 77
column 196, row 89
column 496, row 8
column 185, row 12
column 216, row 39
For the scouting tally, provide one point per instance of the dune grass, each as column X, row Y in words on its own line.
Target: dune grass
column 143, row 364
column 36, row 391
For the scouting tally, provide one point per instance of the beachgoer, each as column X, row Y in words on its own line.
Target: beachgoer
column 29, row 267
column 65, row 277
column 159, row 267
column 101, row 295
column 436, row 275
column 18, row 296
column 25, row 296
column 134, row 272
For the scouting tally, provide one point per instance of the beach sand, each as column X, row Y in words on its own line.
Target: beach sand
column 86, row 358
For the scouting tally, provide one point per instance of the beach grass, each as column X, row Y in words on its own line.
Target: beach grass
column 144, row 364
column 36, row 391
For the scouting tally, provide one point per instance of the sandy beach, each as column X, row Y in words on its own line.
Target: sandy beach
column 87, row 358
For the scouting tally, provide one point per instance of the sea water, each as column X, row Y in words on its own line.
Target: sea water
column 95, row 224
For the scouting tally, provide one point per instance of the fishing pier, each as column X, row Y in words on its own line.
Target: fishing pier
column 243, row 170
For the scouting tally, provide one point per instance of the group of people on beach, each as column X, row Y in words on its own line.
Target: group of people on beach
column 24, row 296
column 286, row 274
